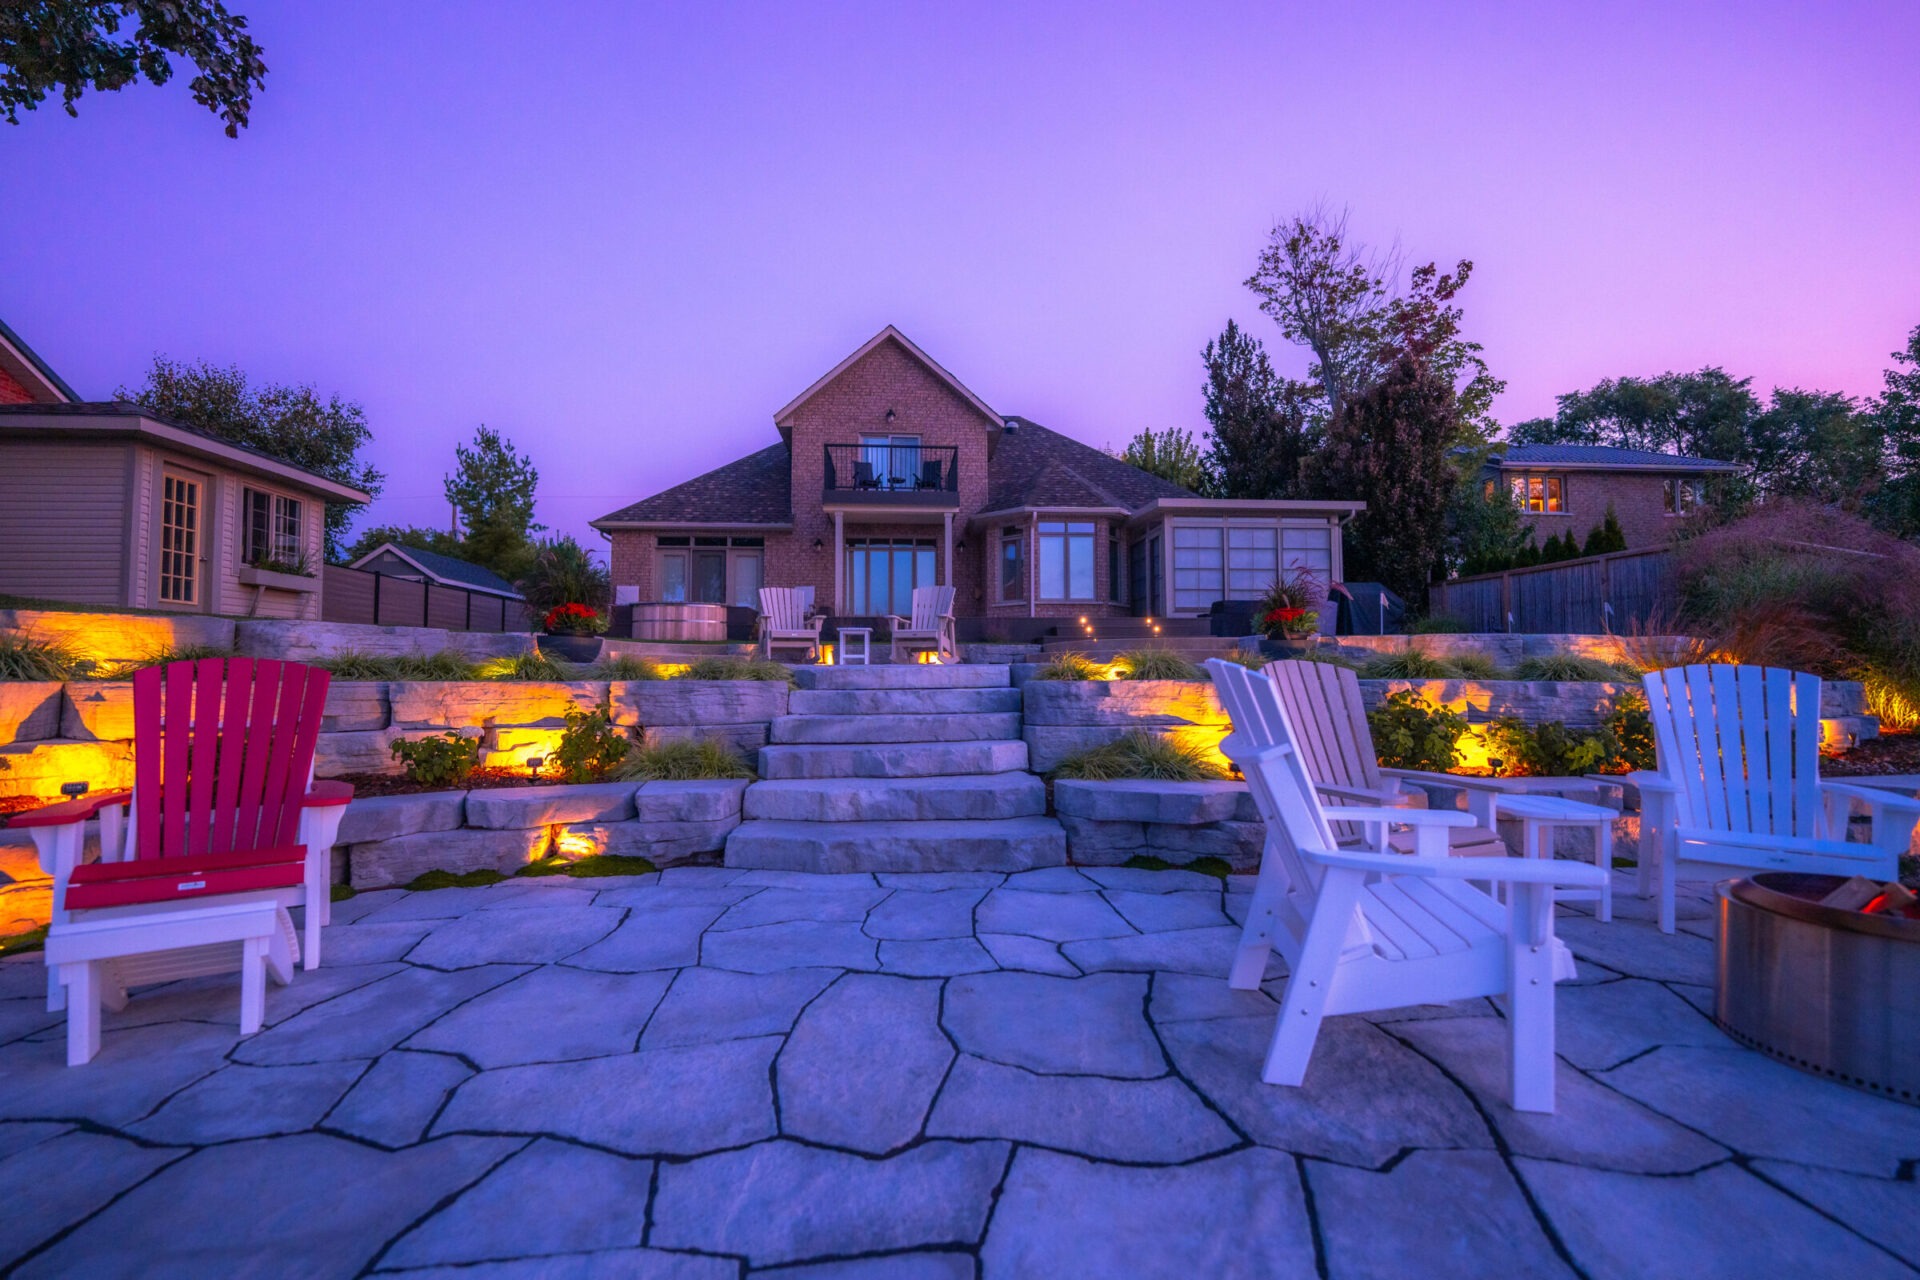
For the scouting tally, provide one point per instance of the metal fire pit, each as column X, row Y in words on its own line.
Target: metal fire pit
column 1833, row 992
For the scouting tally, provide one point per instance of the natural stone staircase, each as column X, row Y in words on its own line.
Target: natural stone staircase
column 897, row 768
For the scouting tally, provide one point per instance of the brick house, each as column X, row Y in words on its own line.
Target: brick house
column 105, row 503
column 1567, row 488
column 889, row 474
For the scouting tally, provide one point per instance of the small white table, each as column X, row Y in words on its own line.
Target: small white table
column 845, row 656
column 1540, row 815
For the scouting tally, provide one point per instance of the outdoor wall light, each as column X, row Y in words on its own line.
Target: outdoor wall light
column 818, row 545
column 889, row 415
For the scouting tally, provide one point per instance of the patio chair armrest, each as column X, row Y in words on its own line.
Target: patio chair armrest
column 1402, row 817
column 1463, row 781
column 327, row 792
column 1577, row 875
column 69, row 811
column 895, row 621
column 1648, row 780
column 1876, row 798
column 1379, row 797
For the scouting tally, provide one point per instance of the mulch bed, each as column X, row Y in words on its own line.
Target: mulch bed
column 1889, row 753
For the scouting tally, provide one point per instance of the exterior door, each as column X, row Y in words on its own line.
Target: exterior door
column 183, row 553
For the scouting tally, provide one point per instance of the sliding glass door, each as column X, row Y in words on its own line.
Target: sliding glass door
column 882, row 573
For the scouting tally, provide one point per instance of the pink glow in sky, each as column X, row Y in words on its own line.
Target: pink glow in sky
column 625, row 235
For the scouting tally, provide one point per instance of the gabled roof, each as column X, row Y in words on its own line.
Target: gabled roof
column 33, row 373
column 784, row 418
column 1035, row 467
column 1598, row 457
column 448, row 571
column 754, row 490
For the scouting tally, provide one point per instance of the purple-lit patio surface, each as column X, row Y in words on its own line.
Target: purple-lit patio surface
column 714, row 1073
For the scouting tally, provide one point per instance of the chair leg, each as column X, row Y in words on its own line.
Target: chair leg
column 1303, row 1004
column 1603, row 855
column 1530, row 998
column 1256, row 936
column 83, row 1011
column 253, row 985
column 56, row 991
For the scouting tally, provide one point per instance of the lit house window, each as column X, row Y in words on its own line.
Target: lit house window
column 272, row 531
column 1540, row 493
column 1066, row 560
column 1684, row 497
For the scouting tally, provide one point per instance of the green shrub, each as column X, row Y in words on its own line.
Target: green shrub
column 443, row 760
column 624, row 666
column 531, row 665
column 685, row 760
column 1568, row 666
column 447, row 664
column 1411, row 733
column 1141, row 755
column 590, row 747
column 1253, row 659
column 1071, row 666
column 1546, row 750
column 1156, row 664
column 161, row 657
column 1475, row 666
column 564, row 572
column 24, row 659
column 1438, row 624
column 1411, row 664
column 737, row 669
column 1631, row 725
column 1330, row 657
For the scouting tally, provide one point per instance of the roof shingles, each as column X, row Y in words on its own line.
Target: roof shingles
column 756, row 489
column 1597, row 455
column 1035, row 467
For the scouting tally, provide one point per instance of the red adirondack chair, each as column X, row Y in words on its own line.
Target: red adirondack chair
column 224, row 809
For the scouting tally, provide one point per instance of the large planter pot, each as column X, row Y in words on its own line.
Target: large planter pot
column 582, row 649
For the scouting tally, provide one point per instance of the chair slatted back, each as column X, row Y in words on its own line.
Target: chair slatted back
column 784, row 609
column 1324, row 706
column 1743, row 745
column 222, row 754
column 930, row 473
column 931, row 605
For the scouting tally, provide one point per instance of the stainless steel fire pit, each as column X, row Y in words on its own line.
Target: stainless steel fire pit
column 1829, row 991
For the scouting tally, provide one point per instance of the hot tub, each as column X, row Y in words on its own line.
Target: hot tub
column 680, row 622
column 1830, row 991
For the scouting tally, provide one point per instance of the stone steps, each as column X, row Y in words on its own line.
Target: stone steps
column 1006, row 844
column 863, row 702
column 904, row 676
column 896, row 728
column 892, row 760
column 977, row 797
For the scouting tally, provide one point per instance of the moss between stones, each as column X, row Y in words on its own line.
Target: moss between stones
column 31, row 940
column 437, row 879
column 590, row 867
column 1215, row 867
column 341, row 892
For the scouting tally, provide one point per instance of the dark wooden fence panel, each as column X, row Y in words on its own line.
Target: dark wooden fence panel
column 1587, row 596
column 359, row 596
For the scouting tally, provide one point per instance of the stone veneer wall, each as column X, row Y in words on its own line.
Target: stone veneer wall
column 1109, row 822
column 51, row 734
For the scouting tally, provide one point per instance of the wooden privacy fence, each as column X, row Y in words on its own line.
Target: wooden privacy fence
column 1570, row 597
column 363, row 596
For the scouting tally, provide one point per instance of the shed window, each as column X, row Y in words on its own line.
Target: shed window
column 273, row 531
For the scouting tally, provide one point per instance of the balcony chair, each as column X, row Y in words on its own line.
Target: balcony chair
column 929, row 475
column 931, row 627
column 225, row 813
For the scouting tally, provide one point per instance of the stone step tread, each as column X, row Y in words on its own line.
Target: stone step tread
column 904, row 676
column 1005, row 844
column 892, row 760
column 861, row 702
column 940, row 797
column 896, row 728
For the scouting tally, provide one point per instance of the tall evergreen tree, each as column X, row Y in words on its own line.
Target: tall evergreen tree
column 1261, row 431
column 493, row 489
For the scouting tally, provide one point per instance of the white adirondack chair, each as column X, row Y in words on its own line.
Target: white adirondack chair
column 1739, row 783
column 931, row 626
column 1367, row 929
column 784, row 623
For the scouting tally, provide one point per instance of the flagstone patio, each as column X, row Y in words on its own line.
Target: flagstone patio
column 713, row 1073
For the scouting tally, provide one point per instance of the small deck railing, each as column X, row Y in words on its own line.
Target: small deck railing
column 892, row 472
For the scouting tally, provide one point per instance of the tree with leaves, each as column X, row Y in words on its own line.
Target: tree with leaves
column 493, row 489
column 1262, row 424
column 418, row 537
column 1393, row 446
column 1171, row 454
column 1896, row 418
column 1485, row 529
column 291, row 423
column 76, row 45
column 1700, row 415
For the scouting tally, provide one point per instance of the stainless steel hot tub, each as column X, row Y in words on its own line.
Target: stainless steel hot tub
column 1833, row 992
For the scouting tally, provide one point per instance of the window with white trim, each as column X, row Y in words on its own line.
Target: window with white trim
column 1683, row 497
column 1540, row 493
column 1066, row 559
column 272, row 533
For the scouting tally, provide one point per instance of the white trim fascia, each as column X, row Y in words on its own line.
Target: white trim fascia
column 119, row 424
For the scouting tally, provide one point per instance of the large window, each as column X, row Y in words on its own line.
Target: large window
column 1540, row 493
column 1066, row 560
column 1683, row 497
column 888, row 462
column 711, row 569
column 272, row 530
column 882, row 573
column 179, row 539
column 1013, row 563
column 1240, row 561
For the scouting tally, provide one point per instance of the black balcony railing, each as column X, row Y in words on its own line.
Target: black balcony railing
column 892, row 469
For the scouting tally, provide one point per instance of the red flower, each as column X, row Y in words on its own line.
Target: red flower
column 574, row 614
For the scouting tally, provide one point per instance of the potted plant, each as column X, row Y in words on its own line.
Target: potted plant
column 572, row 632
column 1290, row 611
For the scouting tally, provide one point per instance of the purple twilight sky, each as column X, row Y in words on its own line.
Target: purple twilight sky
column 626, row 234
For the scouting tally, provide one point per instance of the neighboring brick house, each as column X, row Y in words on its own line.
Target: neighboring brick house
column 108, row 504
column 890, row 474
column 1567, row 488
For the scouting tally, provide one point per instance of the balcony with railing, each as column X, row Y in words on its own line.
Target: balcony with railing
column 903, row 475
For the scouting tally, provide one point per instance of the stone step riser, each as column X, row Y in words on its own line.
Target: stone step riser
column 914, row 676
column 939, row 799
column 881, row 702
column 916, row 760
column 1015, row 844
column 901, row 729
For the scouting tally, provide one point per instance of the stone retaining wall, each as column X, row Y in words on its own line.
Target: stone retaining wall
column 133, row 637
column 1109, row 822
column 51, row 734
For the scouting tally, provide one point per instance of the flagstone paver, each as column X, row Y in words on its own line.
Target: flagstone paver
column 709, row 1072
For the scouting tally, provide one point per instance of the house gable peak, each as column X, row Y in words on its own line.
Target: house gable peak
column 784, row 419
